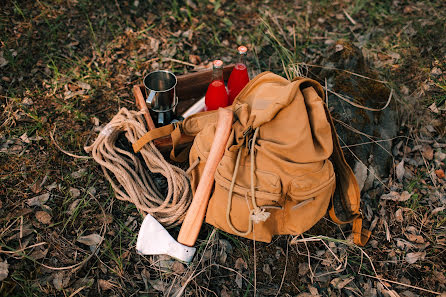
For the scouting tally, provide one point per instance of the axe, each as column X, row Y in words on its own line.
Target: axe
column 153, row 238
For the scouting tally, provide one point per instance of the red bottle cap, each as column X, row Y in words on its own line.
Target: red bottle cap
column 218, row 63
column 242, row 49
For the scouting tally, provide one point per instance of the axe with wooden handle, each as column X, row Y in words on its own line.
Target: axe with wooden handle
column 153, row 239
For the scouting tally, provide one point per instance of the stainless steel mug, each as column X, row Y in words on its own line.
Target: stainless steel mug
column 160, row 87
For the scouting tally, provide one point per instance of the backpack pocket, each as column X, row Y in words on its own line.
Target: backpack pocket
column 308, row 198
column 268, row 195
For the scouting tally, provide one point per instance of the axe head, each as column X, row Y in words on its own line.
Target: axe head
column 153, row 239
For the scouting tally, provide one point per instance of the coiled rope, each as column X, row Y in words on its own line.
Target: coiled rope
column 131, row 180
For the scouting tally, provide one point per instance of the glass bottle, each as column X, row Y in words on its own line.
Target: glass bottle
column 216, row 95
column 239, row 75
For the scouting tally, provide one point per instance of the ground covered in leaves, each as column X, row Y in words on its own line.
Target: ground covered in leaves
column 66, row 67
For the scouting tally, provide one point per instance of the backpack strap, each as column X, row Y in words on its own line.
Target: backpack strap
column 348, row 189
column 174, row 130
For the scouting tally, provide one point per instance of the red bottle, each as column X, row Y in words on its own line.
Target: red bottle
column 239, row 75
column 216, row 95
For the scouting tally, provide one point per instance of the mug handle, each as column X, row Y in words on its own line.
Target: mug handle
column 150, row 98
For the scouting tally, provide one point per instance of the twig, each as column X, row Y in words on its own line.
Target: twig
column 64, row 151
column 179, row 61
column 346, row 71
column 77, row 291
column 22, row 249
column 349, row 17
column 284, row 270
column 362, row 106
column 398, row 283
column 309, row 260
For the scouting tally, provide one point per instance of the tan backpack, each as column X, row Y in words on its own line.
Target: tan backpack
column 281, row 166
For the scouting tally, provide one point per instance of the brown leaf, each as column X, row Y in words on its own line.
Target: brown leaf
column 395, row 196
column 427, row 152
column 105, row 284
column 60, row 281
column 400, row 170
column 39, row 254
column 194, row 59
column 38, row 200
column 43, row 217
column 439, row 173
column 399, row 215
column 405, row 196
column 240, row 263
column 267, row 270
column 178, row 267
column 414, row 238
column 74, row 192
column 91, row 240
column 158, row 284
column 433, row 107
column 73, row 206
column 414, row 257
column 4, row 270
column 339, row 283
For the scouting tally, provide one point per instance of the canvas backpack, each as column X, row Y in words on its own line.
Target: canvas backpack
column 283, row 167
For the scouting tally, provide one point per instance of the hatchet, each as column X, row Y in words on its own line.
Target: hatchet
column 153, row 238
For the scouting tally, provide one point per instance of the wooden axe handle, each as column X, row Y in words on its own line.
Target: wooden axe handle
column 141, row 103
column 197, row 209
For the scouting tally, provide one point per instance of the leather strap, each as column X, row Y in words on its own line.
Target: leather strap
column 152, row 135
column 348, row 189
column 174, row 130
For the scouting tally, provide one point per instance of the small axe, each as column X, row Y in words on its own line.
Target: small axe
column 153, row 238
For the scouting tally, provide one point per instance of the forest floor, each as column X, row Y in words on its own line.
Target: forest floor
column 68, row 66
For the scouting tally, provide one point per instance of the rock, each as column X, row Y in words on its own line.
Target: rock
column 366, row 92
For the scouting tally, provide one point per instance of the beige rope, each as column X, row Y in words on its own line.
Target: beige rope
column 131, row 180
column 257, row 214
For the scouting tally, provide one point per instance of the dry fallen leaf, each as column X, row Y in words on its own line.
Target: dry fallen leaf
column 80, row 173
column 399, row 215
column 74, row 192
column 3, row 270
column 439, row 173
column 427, row 152
column 178, row 267
column 339, row 283
column 25, row 138
column 414, row 237
column 84, row 85
column 414, row 257
column 60, row 281
column 267, row 270
column 105, row 284
column 43, row 217
column 405, row 196
column 157, row 284
column 400, row 170
column 38, row 200
column 91, row 240
column 73, row 206
column 240, row 263
column 395, row 196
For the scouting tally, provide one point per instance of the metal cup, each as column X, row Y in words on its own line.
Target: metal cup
column 160, row 87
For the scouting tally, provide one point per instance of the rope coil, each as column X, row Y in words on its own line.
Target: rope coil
column 130, row 180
